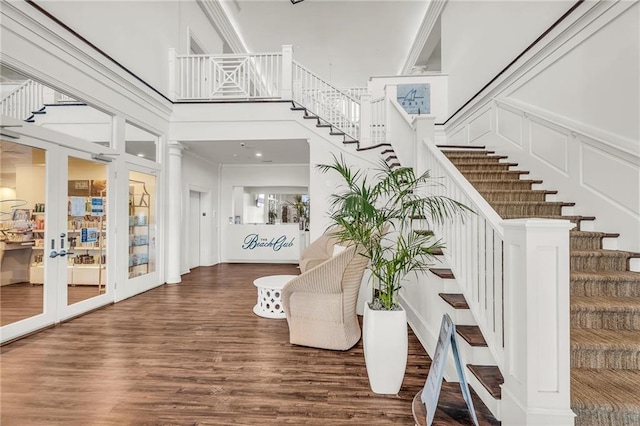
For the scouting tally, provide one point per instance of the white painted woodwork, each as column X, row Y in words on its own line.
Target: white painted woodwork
column 174, row 211
column 193, row 243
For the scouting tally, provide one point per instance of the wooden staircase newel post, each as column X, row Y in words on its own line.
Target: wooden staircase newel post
column 536, row 389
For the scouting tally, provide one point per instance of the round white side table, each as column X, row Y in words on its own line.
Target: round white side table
column 270, row 295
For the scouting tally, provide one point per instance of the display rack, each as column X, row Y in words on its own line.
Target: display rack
column 139, row 202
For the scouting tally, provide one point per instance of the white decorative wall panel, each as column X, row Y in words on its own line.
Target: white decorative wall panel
column 459, row 137
column 549, row 145
column 611, row 177
column 509, row 125
column 480, row 126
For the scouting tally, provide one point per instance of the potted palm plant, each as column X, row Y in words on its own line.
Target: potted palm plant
column 386, row 214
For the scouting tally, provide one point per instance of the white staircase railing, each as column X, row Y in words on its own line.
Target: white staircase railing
column 333, row 105
column 514, row 275
column 243, row 76
column 20, row 103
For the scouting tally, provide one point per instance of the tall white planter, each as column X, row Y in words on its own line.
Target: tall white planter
column 385, row 349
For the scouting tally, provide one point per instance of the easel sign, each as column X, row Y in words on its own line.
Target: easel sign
column 433, row 385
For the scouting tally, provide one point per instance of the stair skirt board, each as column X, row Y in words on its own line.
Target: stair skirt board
column 605, row 295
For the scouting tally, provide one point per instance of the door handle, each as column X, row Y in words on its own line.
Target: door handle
column 53, row 254
column 63, row 253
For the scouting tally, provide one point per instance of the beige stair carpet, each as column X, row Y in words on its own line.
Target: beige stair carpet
column 605, row 295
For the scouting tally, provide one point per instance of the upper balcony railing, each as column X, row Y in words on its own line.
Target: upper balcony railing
column 224, row 77
column 264, row 76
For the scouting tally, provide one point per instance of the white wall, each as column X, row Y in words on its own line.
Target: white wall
column 138, row 34
column 479, row 38
column 201, row 176
column 596, row 84
column 571, row 118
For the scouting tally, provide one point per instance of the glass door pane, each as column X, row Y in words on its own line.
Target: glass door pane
column 22, row 227
column 142, row 224
column 86, row 229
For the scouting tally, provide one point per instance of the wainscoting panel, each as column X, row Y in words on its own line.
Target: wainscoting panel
column 459, row 137
column 611, row 177
column 480, row 125
column 549, row 145
column 509, row 125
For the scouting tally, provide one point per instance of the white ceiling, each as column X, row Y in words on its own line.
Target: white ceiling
column 345, row 41
column 291, row 151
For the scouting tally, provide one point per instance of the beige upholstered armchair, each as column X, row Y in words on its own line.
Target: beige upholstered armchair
column 320, row 304
column 317, row 252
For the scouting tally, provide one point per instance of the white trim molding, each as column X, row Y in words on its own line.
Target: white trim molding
column 434, row 10
column 218, row 16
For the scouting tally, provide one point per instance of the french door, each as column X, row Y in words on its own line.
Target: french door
column 55, row 234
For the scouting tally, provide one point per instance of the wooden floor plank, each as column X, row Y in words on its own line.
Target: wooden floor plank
column 194, row 353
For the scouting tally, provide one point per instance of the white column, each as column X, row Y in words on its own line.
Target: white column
column 537, row 386
column 287, row 72
column 424, row 126
column 174, row 213
column 365, row 121
column 173, row 74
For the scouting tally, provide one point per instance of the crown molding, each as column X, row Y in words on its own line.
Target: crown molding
column 220, row 19
column 431, row 16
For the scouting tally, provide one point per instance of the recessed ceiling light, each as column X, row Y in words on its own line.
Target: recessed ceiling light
column 140, row 154
column 258, row 154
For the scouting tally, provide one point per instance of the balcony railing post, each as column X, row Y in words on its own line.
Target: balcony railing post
column 536, row 371
column 173, row 75
column 365, row 120
column 287, row 72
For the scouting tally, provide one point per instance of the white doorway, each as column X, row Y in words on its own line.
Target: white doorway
column 195, row 229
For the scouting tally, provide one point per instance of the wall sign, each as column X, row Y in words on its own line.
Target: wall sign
column 254, row 241
column 415, row 98
column 433, row 385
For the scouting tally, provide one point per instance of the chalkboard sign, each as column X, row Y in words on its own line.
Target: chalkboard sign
column 433, row 385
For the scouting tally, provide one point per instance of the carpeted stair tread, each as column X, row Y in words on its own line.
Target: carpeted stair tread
column 626, row 304
column 484, row 167
column 529, row 208
column 489, row 159
column 488, row 174
column 599, row 260
column 605, row 283
column 574, row 218
column 583, row 338
column 510, row 184
column 585, row 240
column 605, row 312
column 505, row 195
column 614, row 392
column 608, row 349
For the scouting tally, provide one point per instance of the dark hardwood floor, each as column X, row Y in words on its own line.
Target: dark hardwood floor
column 194, row 353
